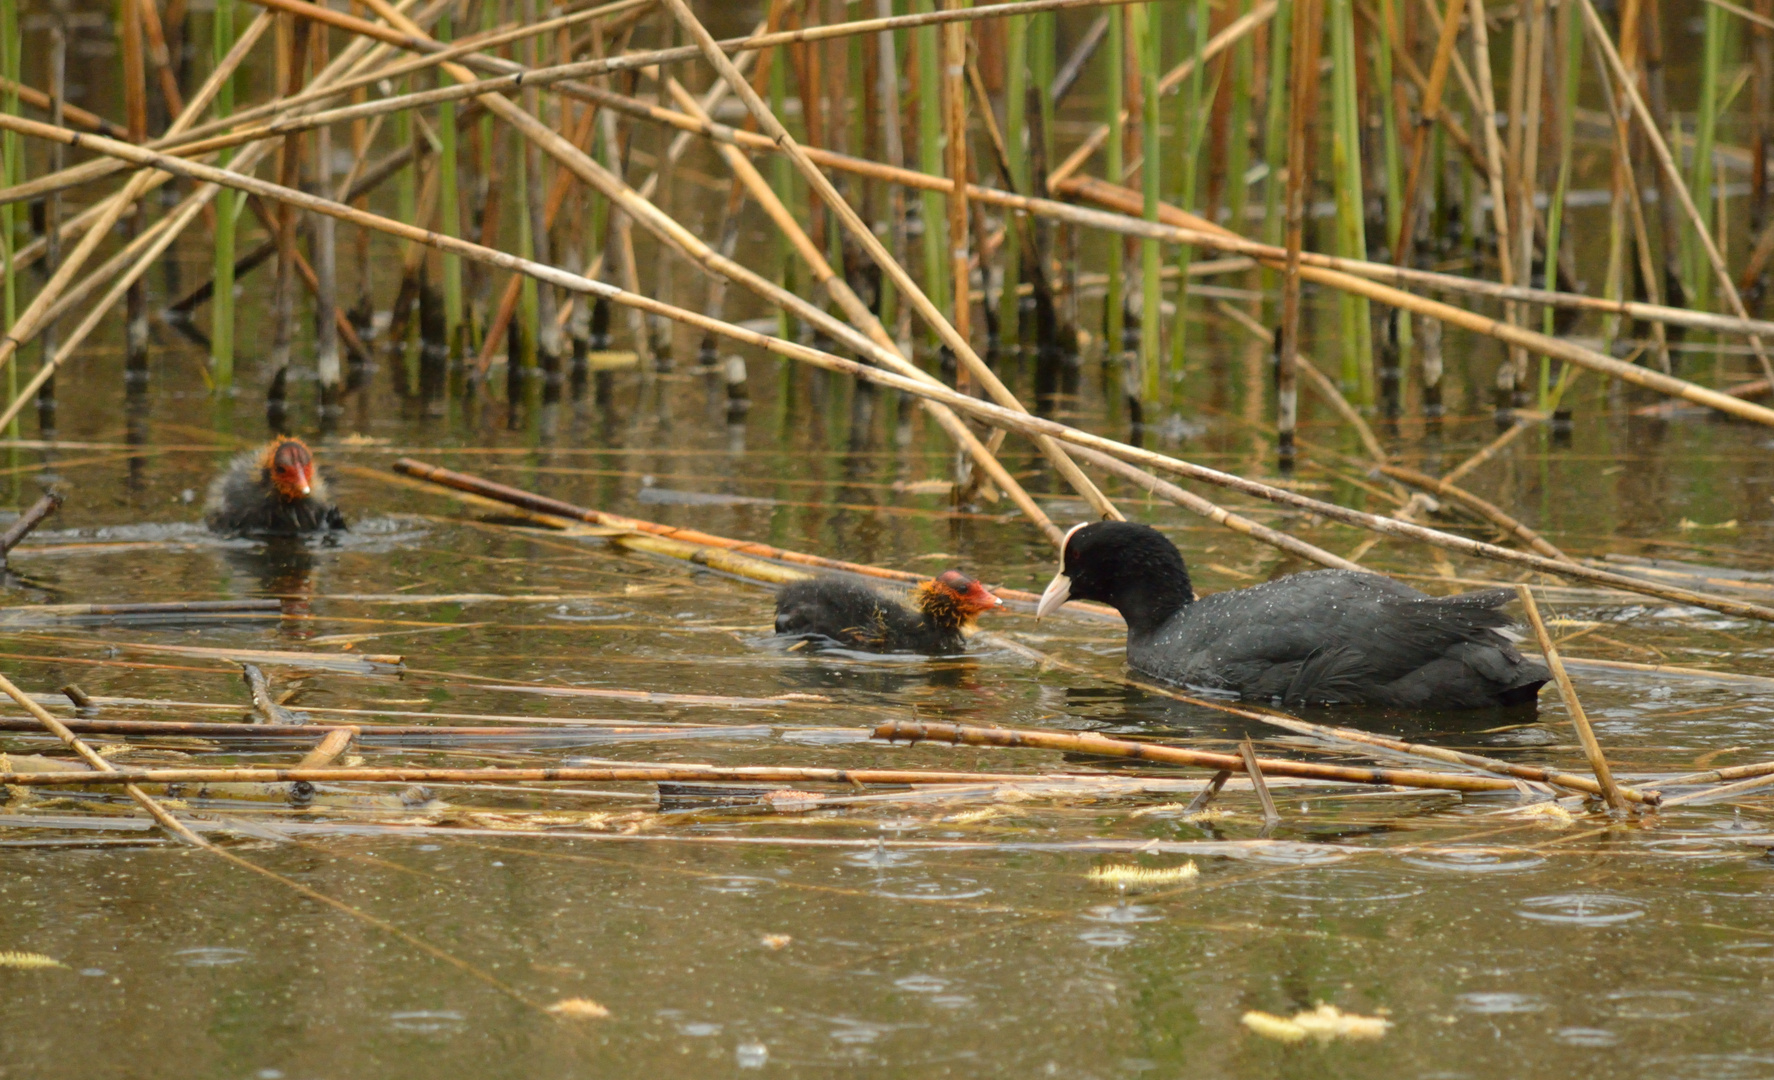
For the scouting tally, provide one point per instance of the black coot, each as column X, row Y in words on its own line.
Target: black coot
column 1329, row 637
column 858, row 617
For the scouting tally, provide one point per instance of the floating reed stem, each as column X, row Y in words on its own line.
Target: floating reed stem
column 75, row 743
column 1592, row 749
column 1103, row 746
column 650, row 774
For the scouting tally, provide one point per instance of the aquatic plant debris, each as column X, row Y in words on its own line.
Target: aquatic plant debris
column 1548, row 814
column 1325, row 1023
column 1124, row 875
column 578, row 1008
column 28, row 961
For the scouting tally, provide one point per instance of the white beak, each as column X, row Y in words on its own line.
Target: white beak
column 1058, row 591
column 304, row 489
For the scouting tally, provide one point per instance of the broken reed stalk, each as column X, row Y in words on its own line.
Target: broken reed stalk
column 1167, row 84
column 1219, row 515
column 865, row 236
column 465, row 49
column 1182, row 227
column 30, row 519
column 73, row 742
column 862, row 318
column 997, row 415
column 158, row 241
column 1673, row 177
column 1294, row 723
column 1592, row 749
column 1103, row 746
column 1488, row 510
column 544, row 505
column 265, row 706
column 1247, row 756
column 39, row 100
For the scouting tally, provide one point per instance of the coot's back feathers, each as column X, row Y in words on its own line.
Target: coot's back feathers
column 1328, row 637
column 854, row 615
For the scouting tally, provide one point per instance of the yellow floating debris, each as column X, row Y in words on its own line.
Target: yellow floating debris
column 1687, row 525
column 1127, row 876
column 28, row 961
column 1325, row 1023
column 776, row 941
column 610, row 361
column 1548, row 814
column 968, row 817
column 579, row 1009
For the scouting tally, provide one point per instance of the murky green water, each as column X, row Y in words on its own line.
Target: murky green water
column 956, row 937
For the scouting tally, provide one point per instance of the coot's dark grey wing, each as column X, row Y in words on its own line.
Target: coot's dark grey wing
column 1329, row 637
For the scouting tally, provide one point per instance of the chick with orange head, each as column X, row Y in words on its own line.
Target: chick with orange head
column 853, row 615
column 275, row 490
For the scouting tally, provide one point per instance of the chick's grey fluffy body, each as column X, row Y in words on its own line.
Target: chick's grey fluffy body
column 242, row 502
column 857, row 616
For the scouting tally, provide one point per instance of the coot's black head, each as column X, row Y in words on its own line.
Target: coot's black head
column 1130, row 567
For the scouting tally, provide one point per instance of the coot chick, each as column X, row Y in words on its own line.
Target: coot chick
column 272, row 491
column 854, row 615
column 1328, row 637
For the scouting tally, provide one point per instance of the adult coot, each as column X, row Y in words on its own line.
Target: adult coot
column 856, row 616
column 1329, row 637
column 273, row 491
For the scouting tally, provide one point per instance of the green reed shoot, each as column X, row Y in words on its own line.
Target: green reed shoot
column 1570, row 71
column 1357, row 332
column 1016, row 89
column 228, row 204
column 930, row 131
column 448, row 202
column 1197, row 111
column 1275, row 143
column 1115, row 165
column 1147, row 40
